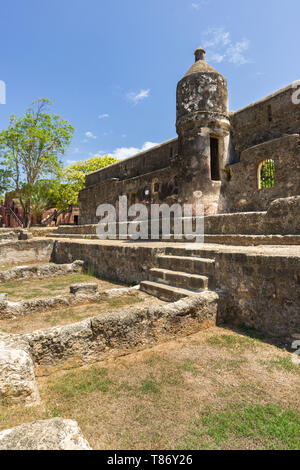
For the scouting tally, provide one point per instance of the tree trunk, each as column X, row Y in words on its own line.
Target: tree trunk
column 27, row 215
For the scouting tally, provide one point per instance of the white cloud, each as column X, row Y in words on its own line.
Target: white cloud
column 221, row 48
column 139, row 96
column 199, row 4
column 103, row 116
column 125, row 152
column 236, row 52
column 90, row 135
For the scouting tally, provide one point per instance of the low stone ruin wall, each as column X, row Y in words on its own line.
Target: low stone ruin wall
column 6, row 236
column 26, row 251
column 94, row 339
column 261, row 292
column 14, row 234
column 40, row 272
column 48, row 434
column 118, row 332
column 80, row 294
column 17, row 376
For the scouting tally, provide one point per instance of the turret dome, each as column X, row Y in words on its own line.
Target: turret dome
column 202, row 95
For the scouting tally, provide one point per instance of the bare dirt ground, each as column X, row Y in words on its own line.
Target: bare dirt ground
column 217, row 389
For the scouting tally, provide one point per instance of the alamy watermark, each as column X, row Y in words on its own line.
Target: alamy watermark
column 296, row 94
column 150, row 221
column 2, row 92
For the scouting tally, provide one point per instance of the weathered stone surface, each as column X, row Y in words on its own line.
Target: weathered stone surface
column 84, row 288
column 17, row 378
column 260, row 292
column 284, row 215
column 120, row 263
column 115, row 332
column 81, row 293
column 241, row 193
column 113, row 293
column 8, row 236
column 52, row 434
column 44, row 271
column 26, row 251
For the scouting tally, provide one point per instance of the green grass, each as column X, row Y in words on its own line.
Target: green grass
column 285, row 364
column 149, row 386
column 81, row 382
column 262, row 426
column 188, row 366
column 28, row 289
column 233, row 343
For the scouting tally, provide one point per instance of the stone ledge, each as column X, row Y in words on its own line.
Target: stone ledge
column 52, row 434
column 44, row 271
column 17, row 378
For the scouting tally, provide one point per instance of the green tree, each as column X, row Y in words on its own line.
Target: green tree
column 30, row 149
column 44, row 197
column 73, row 179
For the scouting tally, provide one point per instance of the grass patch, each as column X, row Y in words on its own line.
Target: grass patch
column 189, row 366
column 263, row 426
column 283, row 364
column 232, row 342
column 176, row 395
column 149, row 386
column 123, row 301
column 81, row 382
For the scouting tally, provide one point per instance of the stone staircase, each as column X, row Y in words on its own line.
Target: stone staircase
column 180, row 273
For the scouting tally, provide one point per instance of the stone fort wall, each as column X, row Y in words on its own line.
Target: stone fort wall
column 267, row 129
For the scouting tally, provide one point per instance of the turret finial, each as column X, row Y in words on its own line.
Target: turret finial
column 199, row 54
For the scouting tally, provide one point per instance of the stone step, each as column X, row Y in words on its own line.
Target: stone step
column 187, row 264
column 166, row 292
column 198, row 253
column 180, row 279
column 253, row 240
column 230, row 239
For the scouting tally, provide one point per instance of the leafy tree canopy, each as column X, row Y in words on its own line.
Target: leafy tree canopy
column 30, row 150
column 73, row 179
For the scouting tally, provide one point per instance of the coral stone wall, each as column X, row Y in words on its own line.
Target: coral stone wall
column 240, row 191
column 260, row 292
column 19, row 252
column 267, row 119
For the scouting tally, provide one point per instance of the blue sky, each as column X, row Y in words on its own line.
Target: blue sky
column 111, row 67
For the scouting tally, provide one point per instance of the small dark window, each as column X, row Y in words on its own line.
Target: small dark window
column 266, row 174
column 270, row 115
column 133, row 199
column 214, row 160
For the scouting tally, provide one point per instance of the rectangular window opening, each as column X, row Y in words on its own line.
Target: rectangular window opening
column 214, row 159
